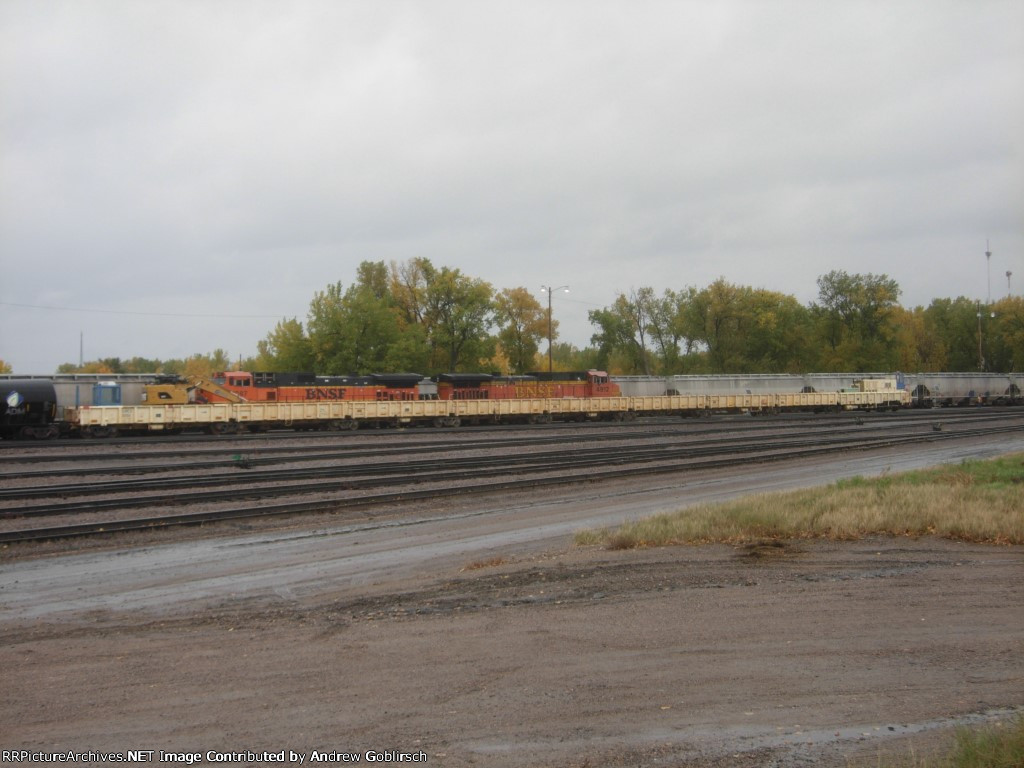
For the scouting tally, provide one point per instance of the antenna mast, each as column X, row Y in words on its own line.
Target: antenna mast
column 988, row 269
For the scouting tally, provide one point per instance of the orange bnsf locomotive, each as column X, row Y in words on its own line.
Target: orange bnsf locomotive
column 309, row 387
column 483, row 386
column 247, row 387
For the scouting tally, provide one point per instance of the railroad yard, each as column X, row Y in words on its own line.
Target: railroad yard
column 417, row 590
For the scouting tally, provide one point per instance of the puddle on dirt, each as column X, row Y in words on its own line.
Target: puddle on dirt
column 772, row 548
column 799, row 739
column 788, row 743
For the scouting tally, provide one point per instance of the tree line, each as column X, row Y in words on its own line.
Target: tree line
column 414, row 316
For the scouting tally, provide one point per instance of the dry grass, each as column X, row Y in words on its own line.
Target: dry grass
column 997, row 746
column 974, row 501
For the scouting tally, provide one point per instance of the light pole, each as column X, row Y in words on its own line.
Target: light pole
column 981, row 354
column 551, row 290
column 988, row 270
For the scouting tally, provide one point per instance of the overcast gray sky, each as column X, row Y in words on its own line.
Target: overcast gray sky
column 176, row 177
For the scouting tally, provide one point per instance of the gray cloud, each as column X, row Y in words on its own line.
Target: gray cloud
column 230, row 159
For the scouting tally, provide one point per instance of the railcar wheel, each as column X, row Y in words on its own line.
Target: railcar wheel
column 47, row 432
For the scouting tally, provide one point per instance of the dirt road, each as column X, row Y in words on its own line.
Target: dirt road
column 529, row 655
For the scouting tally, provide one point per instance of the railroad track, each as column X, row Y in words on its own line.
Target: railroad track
column 530, row 471
column 295, row 455
column 269, row 450
column 200, row 443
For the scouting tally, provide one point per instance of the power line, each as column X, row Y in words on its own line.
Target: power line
column 128, row 312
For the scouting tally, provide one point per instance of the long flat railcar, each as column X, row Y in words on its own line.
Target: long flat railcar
column 99, row 421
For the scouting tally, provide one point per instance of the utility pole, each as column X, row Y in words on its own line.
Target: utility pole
column 981, row 358
column 551, row 290
column 981, row 354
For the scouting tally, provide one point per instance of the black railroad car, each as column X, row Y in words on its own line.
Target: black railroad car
column 28, row 409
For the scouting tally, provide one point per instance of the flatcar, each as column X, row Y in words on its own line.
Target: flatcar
column 28, row 408
column 219, row 418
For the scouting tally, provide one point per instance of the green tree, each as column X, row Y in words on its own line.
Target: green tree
column 1005, row 335
column 856, row 320
column 625, row 328
column 142, row 365
column 286, row 348
column 409, row 283
column 200, row 364
column 104, row 365
column 777, row 336
column 667, row 328
column 746, row 330
column 567, row 357
column 373, row 277
column 714, row 317
column 954, row 325
column 917, row 347
column 612, row 335
column 5, row 367
column 325, row 328
column 353, row 330
column 459, row 312
column 368, row 331
column 522, row 323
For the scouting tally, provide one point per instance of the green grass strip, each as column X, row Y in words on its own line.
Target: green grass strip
column 977, row 501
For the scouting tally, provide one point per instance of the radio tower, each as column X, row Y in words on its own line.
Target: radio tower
column 988, row 269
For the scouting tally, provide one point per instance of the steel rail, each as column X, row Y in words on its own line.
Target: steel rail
column 292, row 454
column 322, row 505
column 607, row 433
column 348, row 475
column 701, row 422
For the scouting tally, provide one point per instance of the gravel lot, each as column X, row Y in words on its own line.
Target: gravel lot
column 528, row 653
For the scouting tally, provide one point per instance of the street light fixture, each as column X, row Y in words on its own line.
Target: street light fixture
column 549, row 291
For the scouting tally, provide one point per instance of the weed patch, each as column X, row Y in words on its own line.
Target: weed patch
column 977, row 501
